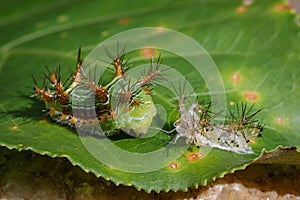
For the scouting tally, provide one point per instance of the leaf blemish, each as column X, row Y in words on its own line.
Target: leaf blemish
column 283, row 7
column 174, row 166
column 123, row 21
column 62, row 18
column 194, row 156
column 251, row 95
column 235, row 78
column 160, row 29
column 244, row 7
column 241, row 9
column 15, row 128
column 104, row 33
column 279, row 120
column 148, row 52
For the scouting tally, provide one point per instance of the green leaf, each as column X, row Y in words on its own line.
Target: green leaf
column 255, row 48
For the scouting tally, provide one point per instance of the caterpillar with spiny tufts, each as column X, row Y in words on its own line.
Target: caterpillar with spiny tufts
column 126, row 104
column 195, row 125
column 134, row 110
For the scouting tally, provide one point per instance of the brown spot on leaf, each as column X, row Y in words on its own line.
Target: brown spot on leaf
column 174, row 165
column 279, row 120
column 283, row 7
column 241, row 9
column 236, row 78
column 194, row 156
column 251, row 95
column 148, row 52
column 123, row 21
column 15, row 128
column 160, row 29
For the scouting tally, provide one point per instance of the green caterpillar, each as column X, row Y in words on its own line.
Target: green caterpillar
column 133, row 110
